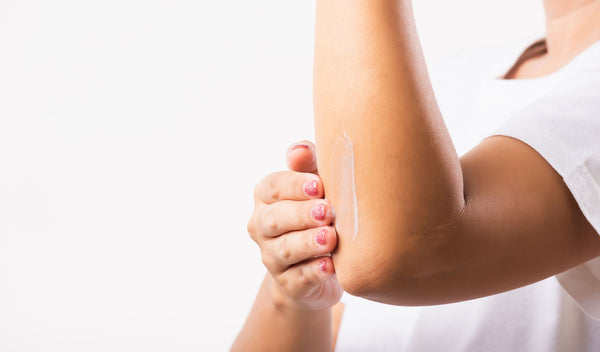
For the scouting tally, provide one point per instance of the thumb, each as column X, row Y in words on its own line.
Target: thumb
column 302, row 157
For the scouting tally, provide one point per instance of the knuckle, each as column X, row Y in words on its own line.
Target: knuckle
column 251, row 229
column 284, row 250
column 269, row 219
column 306, row 278
column 263, row 221
column 309, row 242
column 263, row 189
column 273, row 194
column 273, row 187
column 266, row 260
column 270, row 224
column 293, row 292
column 283, row 281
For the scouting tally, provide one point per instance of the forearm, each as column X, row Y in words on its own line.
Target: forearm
column 277, row 325
column 371, row 90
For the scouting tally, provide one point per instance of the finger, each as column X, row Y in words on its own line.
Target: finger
column 281, row 252
column 288, row 185
column 287, row 216
column 301, row 279
column 302, row 157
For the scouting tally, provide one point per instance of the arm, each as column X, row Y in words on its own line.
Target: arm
column 281, row 325
column 430, row 228
column 292, row 311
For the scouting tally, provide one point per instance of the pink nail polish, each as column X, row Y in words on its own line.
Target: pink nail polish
column 300, row 146
column 318, row 212
column 310, row 188
column 323, row 265
column 320, row 238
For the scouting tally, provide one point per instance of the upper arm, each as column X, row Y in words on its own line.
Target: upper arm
column 520, row 224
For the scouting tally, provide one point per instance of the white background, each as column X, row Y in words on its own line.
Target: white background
column 131, row 136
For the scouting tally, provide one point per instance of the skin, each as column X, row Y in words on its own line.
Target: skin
column 571, row 26
column 434, row 228
column 444, row 229
column 346, row 222
column 296, row 295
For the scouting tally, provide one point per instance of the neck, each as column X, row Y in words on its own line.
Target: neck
column 571, row 27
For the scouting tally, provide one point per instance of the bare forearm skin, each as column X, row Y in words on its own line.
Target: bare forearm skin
column 276, row 324
column 371, row 84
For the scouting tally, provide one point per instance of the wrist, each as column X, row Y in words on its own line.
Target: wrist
column 281, row 302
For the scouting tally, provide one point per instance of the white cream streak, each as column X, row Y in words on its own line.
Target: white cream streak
column 346, row 223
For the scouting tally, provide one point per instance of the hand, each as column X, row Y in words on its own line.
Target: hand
column 291, row 224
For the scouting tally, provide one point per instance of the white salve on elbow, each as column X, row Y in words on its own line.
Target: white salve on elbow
column 344, row 192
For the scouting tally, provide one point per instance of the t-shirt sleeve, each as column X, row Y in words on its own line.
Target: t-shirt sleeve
column 564, row 127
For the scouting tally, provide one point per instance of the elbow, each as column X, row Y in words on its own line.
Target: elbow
column 359, row 278
column 396, row 269
column 371, row 277
column 368, row 271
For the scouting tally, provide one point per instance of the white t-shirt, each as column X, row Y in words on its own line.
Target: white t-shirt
column 559, row 116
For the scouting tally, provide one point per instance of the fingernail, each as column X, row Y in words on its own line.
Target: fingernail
column 310, row 188
column 300, row 146
column 320, row 238
column 323, row 265
column 318, row 212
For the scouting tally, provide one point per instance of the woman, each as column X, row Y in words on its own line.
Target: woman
column 415, row 225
